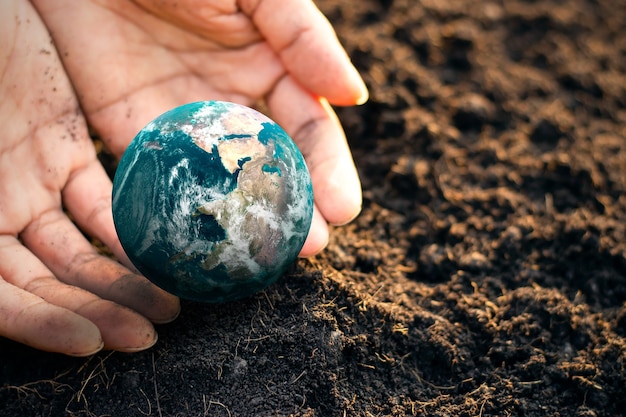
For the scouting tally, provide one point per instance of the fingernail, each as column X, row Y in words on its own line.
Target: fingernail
column 168, row 318
column 134, row 349
column 364, row 96
column 308, row 253
column 348, row 218
column 87, row 353
column 357, row 80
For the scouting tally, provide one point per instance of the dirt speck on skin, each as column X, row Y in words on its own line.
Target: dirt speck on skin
column 486, row 275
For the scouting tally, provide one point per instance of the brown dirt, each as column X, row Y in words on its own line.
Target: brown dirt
column 486, row 275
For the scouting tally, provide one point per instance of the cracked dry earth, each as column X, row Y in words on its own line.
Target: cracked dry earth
column 486, row 275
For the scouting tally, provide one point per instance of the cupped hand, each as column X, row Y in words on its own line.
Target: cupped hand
column 131, row 61
column 56, row 292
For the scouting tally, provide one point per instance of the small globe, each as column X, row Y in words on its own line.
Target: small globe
column 212, row 201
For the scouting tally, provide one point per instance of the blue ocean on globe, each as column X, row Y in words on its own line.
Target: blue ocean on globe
column 212, row 201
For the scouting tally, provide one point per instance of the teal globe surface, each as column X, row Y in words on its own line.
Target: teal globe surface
column 212, row 201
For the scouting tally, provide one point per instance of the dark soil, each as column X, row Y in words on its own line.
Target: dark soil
column 486, row 275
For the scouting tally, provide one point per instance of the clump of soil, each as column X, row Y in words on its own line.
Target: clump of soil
column 487, row 273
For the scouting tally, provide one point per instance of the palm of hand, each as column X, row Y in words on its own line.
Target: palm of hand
column 130, row 62
column 132, row 65
column 48, row 283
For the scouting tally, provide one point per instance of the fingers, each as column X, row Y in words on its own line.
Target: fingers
column 87, row 196
column 121, row 328
column 309, row 48
column 39, row 301
column 314, row 127
column 55, row 240
column 28, row 319
column 317, row 238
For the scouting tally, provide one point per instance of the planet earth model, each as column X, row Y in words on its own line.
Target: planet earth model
column 212, row 201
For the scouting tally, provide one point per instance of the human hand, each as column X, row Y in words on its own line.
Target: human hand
column 56, row 292
column 131, row 61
